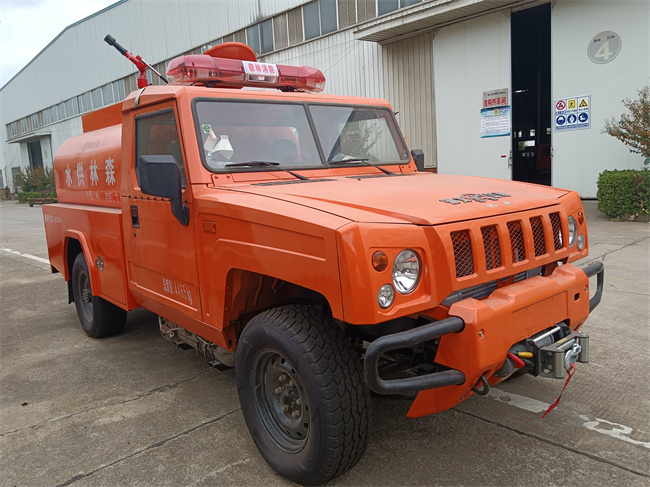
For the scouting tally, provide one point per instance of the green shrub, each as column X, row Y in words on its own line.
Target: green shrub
column 624, row 193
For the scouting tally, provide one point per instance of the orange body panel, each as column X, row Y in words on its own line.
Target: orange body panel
column 511, row 314
column 252, row 243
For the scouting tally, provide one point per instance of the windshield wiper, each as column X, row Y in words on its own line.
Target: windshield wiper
column 265, row 164
column 252, row 164
column 362, row 161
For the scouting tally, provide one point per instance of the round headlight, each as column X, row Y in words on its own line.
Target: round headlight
column 385, row 296
column 573, row 229
column 406, row 271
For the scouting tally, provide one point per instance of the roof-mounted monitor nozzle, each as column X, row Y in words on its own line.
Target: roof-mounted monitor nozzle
column 140, row 63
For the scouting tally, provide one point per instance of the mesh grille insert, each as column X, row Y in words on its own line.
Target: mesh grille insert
column 492, row 249
column 538, row 235
column 462, row 253
column 557, row 231
column 517, row 241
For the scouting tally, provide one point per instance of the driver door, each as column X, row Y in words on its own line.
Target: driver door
column 161, row 252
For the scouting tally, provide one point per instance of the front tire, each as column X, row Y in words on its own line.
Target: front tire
column 99, row 318
column 302, row 394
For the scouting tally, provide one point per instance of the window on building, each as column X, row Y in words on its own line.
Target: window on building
column 53, row 114
column 294, row 19
column 23, row 125
column 253, row 37
column 280, row 32
column 319, row 18
column 385, row 6
column 34, row 121
column 60, row 111
column 97, row 98
column 72, row 107
column 366, row 10
column 118, row 89
column 85, row 102
column 266, row 36
column 347, row 14
column 239, row 36
column 107, row 93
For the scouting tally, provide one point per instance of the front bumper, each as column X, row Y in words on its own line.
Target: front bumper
column 475, row 339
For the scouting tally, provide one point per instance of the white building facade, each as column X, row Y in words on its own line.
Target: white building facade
column 510, row 89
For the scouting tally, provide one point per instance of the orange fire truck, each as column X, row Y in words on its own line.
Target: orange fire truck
column 293, row 236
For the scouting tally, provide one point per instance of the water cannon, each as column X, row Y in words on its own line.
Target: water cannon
column 140, row 63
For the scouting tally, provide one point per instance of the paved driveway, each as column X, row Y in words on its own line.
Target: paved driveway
column 133, row 410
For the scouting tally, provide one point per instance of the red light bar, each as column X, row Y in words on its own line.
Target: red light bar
column 205, row 70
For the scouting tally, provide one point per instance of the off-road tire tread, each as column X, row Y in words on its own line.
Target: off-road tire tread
column 339, row 375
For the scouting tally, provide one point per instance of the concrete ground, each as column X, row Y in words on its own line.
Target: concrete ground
column 133, row 410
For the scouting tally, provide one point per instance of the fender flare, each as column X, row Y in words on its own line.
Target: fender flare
column 86, row 248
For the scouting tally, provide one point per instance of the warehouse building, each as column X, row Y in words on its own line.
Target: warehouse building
column 511, row 89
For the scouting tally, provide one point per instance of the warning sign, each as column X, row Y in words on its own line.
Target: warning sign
column 573, row 113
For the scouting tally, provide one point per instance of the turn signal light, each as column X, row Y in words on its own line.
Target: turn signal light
column 379, row 261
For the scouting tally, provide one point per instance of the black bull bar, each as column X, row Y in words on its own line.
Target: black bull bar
column 431, row 331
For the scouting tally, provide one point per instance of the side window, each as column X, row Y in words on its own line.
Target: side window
column 156, row 134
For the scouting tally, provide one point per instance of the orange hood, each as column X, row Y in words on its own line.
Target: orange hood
column 417, row 198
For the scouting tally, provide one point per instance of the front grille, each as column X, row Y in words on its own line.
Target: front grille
column 538, row 235
column 463, row 253
column 491, row 245
column 556, row 224
column 517, row 241
column 527, row 238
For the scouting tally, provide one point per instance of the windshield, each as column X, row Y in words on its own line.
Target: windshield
column 266, row 135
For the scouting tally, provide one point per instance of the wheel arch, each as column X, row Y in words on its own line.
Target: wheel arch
column 248, row 293
column 75, row 243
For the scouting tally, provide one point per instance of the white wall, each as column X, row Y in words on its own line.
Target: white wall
column 580, row 155
column 469, row 58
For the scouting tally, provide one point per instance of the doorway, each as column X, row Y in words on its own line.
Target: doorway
column 531, row 94
column 35, row 154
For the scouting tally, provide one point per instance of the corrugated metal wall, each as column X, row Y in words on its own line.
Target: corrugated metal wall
column 350, row 67
column 408, row 86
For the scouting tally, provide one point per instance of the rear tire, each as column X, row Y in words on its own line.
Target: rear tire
column 99, row 318
column 301, row 391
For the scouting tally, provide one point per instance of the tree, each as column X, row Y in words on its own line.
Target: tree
column 633, row 129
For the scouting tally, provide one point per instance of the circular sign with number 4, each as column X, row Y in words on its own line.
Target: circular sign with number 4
column 604, row 47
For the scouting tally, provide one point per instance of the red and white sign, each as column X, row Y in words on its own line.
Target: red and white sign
column 560, row 105
column 262, row 69
column 495, row 98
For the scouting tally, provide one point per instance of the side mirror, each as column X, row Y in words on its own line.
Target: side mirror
column 418, row 157
column 160, row 176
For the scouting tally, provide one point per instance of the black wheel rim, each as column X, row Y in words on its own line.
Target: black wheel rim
column 280, row 401
column 85, row 298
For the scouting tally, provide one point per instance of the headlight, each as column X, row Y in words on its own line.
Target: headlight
column 581, row 241
column 406, row 271
column 386, row 296
column 573, row 229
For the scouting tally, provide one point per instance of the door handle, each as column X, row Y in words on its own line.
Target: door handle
column 510, row 160
column 135, row 218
